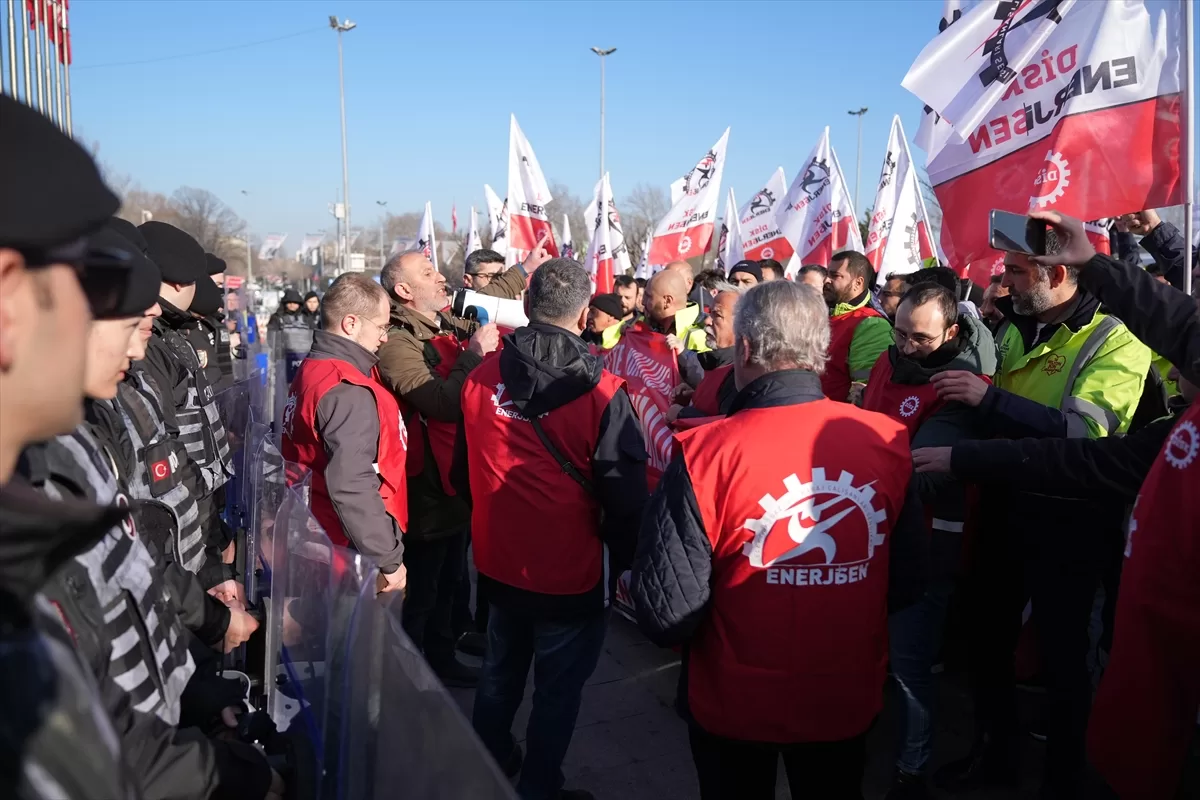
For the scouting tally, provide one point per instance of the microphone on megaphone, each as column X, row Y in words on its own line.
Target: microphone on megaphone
column 473, row 305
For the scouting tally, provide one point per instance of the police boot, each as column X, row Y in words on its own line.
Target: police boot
column 991, row 763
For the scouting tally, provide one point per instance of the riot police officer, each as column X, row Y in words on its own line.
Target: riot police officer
column 292, row 326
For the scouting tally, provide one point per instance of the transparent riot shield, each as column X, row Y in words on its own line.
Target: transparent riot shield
column 269, row 485
column 233, row 406
column 390, row 727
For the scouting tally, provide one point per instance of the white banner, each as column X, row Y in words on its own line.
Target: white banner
column 473, row 243
column 644, row 269
column 528, row 195
column 497, row 220
column 933, row 132
column 271, row 246
column 687, row 229
column 607, row 255
column 761, row 236
column 729, row 248
column 816, row 216
column 426, row 237
column 899, row 236
column 310, row 242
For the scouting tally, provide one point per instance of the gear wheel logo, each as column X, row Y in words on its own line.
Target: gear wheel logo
column 912, row 243
column 1183, row 446
column 767, row 252
column 821, row 515
column 1051, row 181
column 909, row 406
column 685, row 244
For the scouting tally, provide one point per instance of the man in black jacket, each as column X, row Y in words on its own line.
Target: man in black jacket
column 557, row 480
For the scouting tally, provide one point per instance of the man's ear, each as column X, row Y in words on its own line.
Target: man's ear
column 402, row 291
column 952, row 331
column 14, row 300
column 581, row 323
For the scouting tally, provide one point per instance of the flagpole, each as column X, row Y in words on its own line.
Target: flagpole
column 858, row 168
column 67, row 71
column 1189, row 119
column 37, row 44
column 58, row 96
column 12, row 49
column 25, row 61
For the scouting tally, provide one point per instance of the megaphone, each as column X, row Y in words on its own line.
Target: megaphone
column 473, row 305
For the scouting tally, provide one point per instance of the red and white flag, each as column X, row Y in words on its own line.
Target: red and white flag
column 1068, row 105
column 644, row 269
column 473, row 242
column 933, row 132
column 607, row 255
column 528, row 195
column 761, row 236
column 497, row 219
column 899, row 236
column 687, row 229
column 730, row 249
column 426, row 238
column 648, row 365
column 453, row 219
column 816, row 216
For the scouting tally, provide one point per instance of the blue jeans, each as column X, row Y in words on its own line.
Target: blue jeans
column 915, row 636
column 564, row 655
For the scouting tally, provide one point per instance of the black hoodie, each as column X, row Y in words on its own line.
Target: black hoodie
column 544, row 367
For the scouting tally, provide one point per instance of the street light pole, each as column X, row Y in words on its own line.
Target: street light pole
column 602, row 53
column 341, row 26
column 858, row 166
column 249, row 265
column 383, row 205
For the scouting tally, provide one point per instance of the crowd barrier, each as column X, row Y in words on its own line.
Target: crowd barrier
column 334, row 664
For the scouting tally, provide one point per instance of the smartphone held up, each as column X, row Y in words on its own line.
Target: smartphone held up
column 1017, row 233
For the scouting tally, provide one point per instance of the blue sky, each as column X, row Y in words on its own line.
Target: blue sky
column 429, row 88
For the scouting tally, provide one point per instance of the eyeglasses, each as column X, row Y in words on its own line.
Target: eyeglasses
column 103, row 273
column 916, row 340
column 485, row 275
column 383, row 329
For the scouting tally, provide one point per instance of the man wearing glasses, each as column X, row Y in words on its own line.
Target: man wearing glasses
column 930, row 339
column 482, row 267
column 337, row 413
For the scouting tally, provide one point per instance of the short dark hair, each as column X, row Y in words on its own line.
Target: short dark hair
column 857, row 265
column 921, row 293
column 479, row 258
column 709, row 278
column 996, row 278
column 771, row 264
column 623, row 281
column 896, row 276
column 641, row 282
column 807, row 268
column 942, row 276
column 560, row 290
column 350, row 293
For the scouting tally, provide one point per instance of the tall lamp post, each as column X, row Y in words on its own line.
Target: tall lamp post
column 341, row 26
column 383, row 210
column 249, row 264
column 602, row 53
column 858, row 166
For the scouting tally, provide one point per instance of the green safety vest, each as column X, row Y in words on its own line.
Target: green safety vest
column 1053, row 374
column 693, row 335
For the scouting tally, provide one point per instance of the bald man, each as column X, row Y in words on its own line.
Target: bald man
column 666, row 310
column 425, row 361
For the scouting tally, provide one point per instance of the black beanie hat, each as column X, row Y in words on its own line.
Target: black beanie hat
column 179, row 257
column 748, row 267
column 608, row 303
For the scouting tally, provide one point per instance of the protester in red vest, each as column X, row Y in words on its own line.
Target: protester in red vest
column 931, row 338
column 857, row 332
column 557, row 477
column 425, row 361
column 773, row 548
column 344, row 427
column 1145, row 709
column 716, row 390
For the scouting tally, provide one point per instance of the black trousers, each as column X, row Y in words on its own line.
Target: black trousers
column 734, row 770
column 1057, row 572
column 435, row 569
column 463, row 620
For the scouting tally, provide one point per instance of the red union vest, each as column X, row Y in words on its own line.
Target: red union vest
column 302, row 444
column 910, row 404
column 797, row 502
column 1145, row 710
column 532, row 526
column 438, row 434
column 835, row 381
column 707, row 396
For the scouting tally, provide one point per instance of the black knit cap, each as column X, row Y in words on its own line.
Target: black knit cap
column 137, row 283
column 215, row 265
column 130, row 232
column 208, row 299
column 51, row 192
column 311, row 295
column 748, row 267
column 291, row 296
column 179, row 257
column 608, row 303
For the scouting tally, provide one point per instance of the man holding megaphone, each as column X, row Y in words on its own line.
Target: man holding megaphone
column 427, row 357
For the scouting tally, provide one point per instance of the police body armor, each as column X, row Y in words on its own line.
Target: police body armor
column 118, row 609
column 297, row 341
column 160, row 473
column 224, row 352
column 200, row 426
